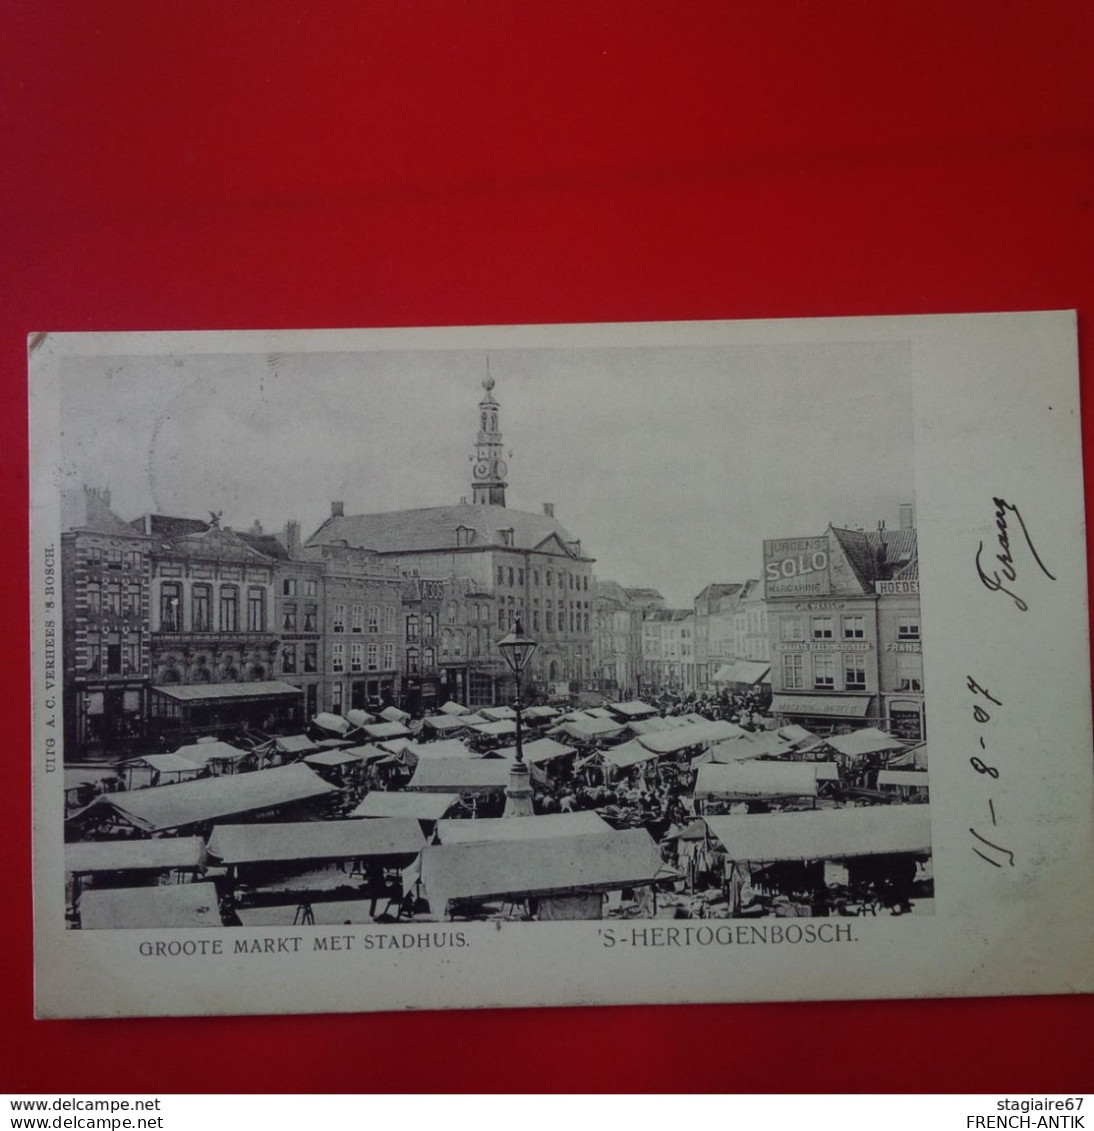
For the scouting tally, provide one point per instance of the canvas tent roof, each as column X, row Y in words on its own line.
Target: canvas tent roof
column 332, row 758
column 825, row 834
column 460, row 775
column 694, row 734
column 858, row 743
column 496, row 713
column 294, row 743
column 540, row 712
column 359, row 718
column 172, row 905
column 497, row 729
column 386, row 730
column 599, row 713
column 538, row 750
column 417, row 806
column 586, row 728
column 757, row 744
column 442, row 748
column 160, row 853
column 548, row 826
column 315, row 840
column 915, row 757
column 202, row 753
column 394, row 715
column 514, row 869
column 167, row 763
column 756, row 779
column 447, row 722
column 629, row 754
column 207, row 799
column 633, row 709
column 454, row 708
column 333, row 723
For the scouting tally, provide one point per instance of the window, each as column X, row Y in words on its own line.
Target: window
column 550, row 618
column 358, row 622
column 311, row 656
column 535, row 616
column 338, row 657
column 412, row 664
column 412, row 627
column 357, row 656
column 586, row 622
column 389, row 655
column 256, row 610
column 429, row 659
column 339, row 618
column 113, row 559
column 113, row 659
column 908, row 628
column 822, row 628
column 501, row 575
column 389, row 618
column 374, row 618
column 854, row 628
column 288, row 618
column 501, row 616
column 792, row 670
column 311, row 618
column 288, row 587
column 288, row 659
column 201, row 609
column 373, row 657
column 336, row 698
column 93, row 657
column 133, row 560
column 535, row 578
column 510, row 575
column 311, row 588
column 824, row 671
column 170, row 606
column 791, row 628
column 549, row 577
column 520, row 577
column 909, row 672
column 429, row 625
column 854, row 673
column 229, row 608
column 112, row 600
column 585, row 582
column 132, row 659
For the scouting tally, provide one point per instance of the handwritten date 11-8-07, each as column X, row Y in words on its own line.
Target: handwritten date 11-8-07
column 985, row 847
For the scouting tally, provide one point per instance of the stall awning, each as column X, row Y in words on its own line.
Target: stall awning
column 294, row 744
column 166, row 763
column 207, row 799
column 834, row 706
column 633, row 709
column 586, row 729
column 538, row 750
column 359, row 718
column 460, row 775
column 548, row 826
column 500, row 728
column 335, row 724
column 915, row 778
column 315, row 840
column 454, row 708
column 394, row 715
column 202, row 753
column 824, row 834
column 542, row 712
column 152, row 855
column 446, row 722
column 386, row 730
column 862, row 742
column 329, row 759
column 691, row 734
column 214, row 692
column 752, row 780
column 629, row 754
column 516, row 869
column 415, row 806
column 175, row 905
column 496, row 713
column 757, row 744
column 442, row 748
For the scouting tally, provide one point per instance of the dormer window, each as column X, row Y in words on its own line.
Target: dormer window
column 507, row 536
column 464, row 535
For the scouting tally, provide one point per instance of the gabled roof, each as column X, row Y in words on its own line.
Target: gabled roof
column 268, row 544
column 435, row 528
column 192, row 538
column 718, row 589
column 85, row 509
column 859, row 553
column 644, row 594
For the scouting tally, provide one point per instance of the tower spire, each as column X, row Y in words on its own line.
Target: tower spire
column 488, row 472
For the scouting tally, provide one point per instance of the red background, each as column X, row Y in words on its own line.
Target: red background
column 307, row 164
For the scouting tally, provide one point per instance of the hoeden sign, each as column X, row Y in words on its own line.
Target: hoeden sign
column 795, row 567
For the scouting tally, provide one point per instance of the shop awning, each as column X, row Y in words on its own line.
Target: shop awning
column 824, row 834
column 747, row 673
column 914, row 778
column 315, row 840
column 740, row 781
column 214, row 692
column 413, row 806
column 460, row 775
column 832, row 706
column 548, row 826
column 151, row 855
column 207, row 799
column 517, row 869
column 859, row 743
column 174, row 905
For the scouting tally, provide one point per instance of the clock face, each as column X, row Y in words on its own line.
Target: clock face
column 500, row 468
column 482, row 469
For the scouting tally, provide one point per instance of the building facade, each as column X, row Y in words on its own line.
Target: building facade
column 618, row 614
column 843, row 612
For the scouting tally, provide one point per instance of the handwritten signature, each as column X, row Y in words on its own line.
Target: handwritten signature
column 1008, row 571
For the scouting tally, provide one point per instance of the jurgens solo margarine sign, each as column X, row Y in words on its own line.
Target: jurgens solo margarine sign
column 795, row 567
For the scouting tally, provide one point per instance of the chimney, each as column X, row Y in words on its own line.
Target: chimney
column 881, row 524
column 256, row 528
column 549, row 510
column 907, row 516
column 292, row 537
column 337, row 509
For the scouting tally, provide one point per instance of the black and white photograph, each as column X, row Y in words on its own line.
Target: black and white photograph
column 410, row 639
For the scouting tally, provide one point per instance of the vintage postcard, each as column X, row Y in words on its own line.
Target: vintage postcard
column 559, row 665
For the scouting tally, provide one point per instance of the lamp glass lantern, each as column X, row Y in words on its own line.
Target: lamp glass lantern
column 517, row 648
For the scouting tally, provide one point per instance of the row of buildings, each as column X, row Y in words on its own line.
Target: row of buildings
column 177, row 624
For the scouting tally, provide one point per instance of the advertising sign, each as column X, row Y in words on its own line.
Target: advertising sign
column 795, row 567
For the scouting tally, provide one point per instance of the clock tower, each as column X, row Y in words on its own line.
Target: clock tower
column 488, row 467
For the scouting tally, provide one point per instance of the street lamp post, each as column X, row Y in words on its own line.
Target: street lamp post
column 517, row 649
